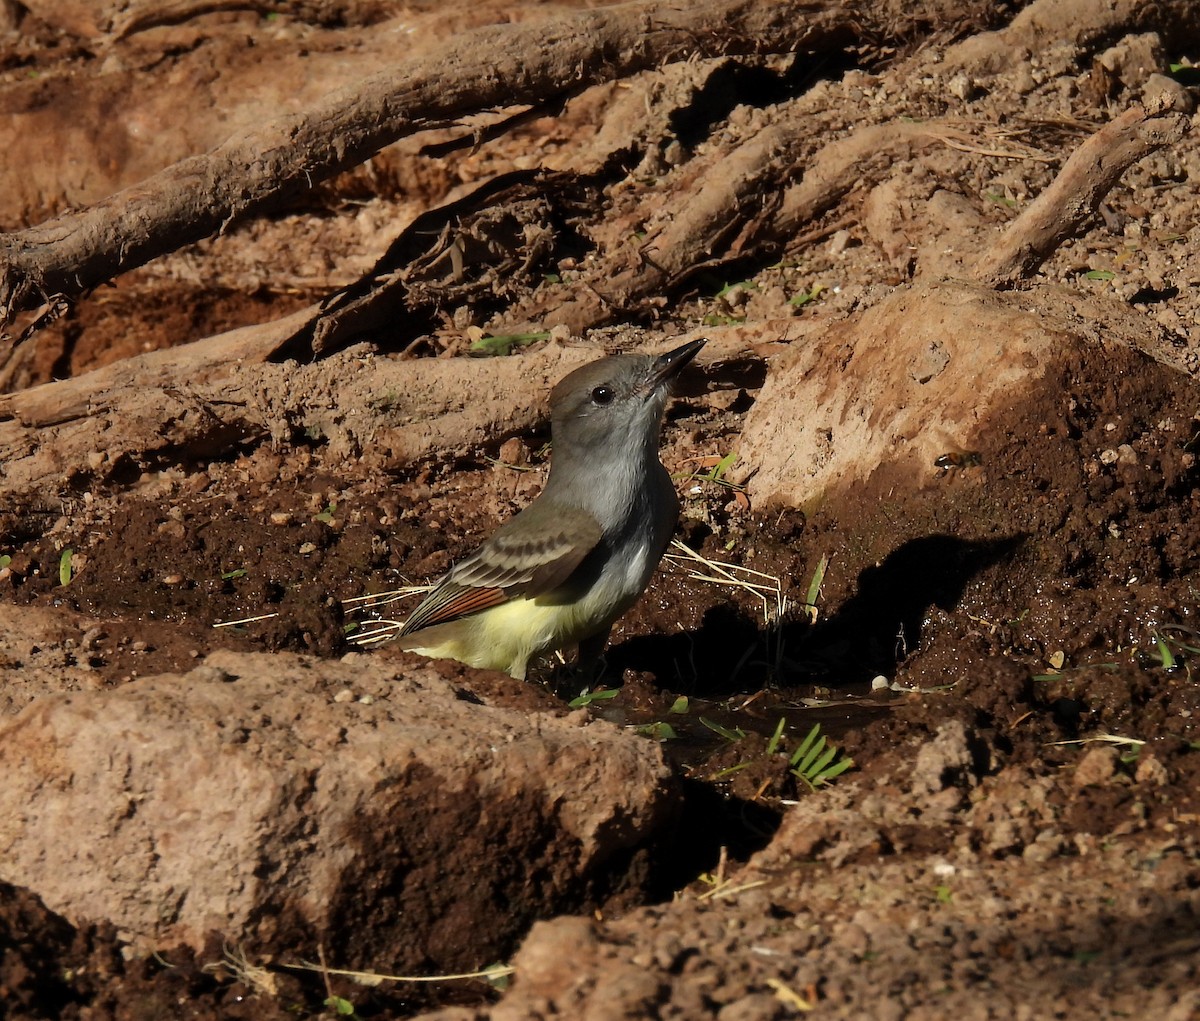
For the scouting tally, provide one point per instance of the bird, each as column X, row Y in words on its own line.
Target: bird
column 561, row 571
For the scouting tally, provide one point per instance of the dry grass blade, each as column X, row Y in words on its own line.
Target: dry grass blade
column 383, row 598
column 380, row 629
column 734, row 575
column 372, row 978
column 234, row 960
column 245, row 620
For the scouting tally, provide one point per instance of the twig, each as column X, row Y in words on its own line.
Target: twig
column 1074, row 195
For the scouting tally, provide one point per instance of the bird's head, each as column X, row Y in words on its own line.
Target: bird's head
column 604, row 409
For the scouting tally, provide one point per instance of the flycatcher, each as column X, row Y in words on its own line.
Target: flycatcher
column 563, row 569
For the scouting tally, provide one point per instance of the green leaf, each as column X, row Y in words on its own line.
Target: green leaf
column 64, row 566
column 1165, row 655
column 804, row 297
column 745, row 285
column 680, row 706
column 773, row 744
column 722, row 466
column 730, row 734
column 837, row 769
column 327, row 514
column 818, row 768
column 5, row 561
column 586, row 697
column 658, row 731
column 805, row 766
column 341, row 1006
column 237, row 573
column 1100, row 274
column 816, row 761
column 505, row 343
column 818, row 579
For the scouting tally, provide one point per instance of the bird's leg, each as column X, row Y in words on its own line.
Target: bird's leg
column 571, row 679
column 590, row 660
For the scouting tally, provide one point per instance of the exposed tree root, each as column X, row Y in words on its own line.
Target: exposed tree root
column 485, row 69
column 1059, row 212
column 1082, row 23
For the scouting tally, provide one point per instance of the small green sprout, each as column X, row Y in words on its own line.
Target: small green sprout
column 816, row 762
column 776, row 738
column 718, row 468
column 64, row 566
column 814, row 588
column 804, row 297
column 1165, row 655
column 587, row 697
column 745, row 285
column 505, row 343
column 717, row 473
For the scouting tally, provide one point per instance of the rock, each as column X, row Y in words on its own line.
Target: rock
column 1150, row 770
column 36, row 658
column 943, row 761
column 1167, row 94
column 244, row 798
column 917, row 373
column 548, row 969
column 1135, row 58
column 1096, row 767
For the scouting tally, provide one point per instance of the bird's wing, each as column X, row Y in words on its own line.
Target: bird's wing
column 530, row 554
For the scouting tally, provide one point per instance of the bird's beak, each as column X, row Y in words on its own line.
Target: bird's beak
column 668, row 366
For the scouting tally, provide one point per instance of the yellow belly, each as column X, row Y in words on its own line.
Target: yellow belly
column 506, row 637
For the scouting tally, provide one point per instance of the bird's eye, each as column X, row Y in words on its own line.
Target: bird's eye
column 602, row 395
